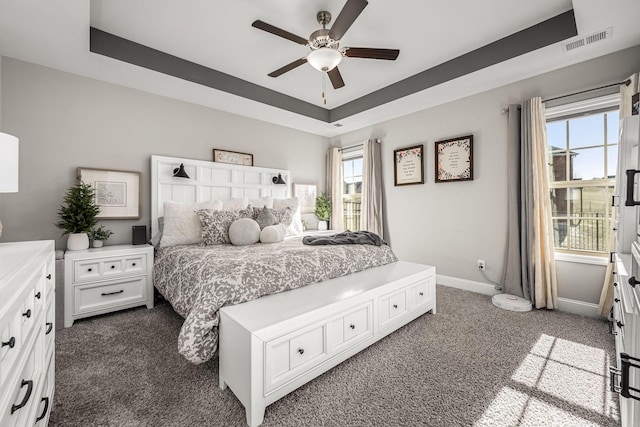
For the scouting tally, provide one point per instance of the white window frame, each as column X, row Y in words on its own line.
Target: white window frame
column 568, row 111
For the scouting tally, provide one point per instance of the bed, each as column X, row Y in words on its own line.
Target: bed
column 278, row 314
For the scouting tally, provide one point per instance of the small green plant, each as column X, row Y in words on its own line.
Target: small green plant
column 79, row 211
column 100, row 233
column 323, row 207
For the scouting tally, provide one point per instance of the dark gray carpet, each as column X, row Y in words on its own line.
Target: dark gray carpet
column 471, row 364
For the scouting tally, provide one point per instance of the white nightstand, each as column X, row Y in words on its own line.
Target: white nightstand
column 102, row 280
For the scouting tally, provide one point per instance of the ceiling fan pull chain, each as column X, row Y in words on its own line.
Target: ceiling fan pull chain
column 324, row 87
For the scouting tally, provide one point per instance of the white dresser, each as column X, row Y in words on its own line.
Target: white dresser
column 27, row 313
column 102, row 280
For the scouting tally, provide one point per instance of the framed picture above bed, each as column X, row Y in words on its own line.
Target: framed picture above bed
column 117, row 192
column 232, row 157
column 408, row 165
column 454, row 159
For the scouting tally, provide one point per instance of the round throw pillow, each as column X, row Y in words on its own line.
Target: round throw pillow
column 273, row 234
column 244, row 231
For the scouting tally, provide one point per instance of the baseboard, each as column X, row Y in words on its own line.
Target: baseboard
column 578, row 307
column 467, row 285
column 564, row 304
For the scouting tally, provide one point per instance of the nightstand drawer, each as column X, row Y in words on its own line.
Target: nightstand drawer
column 99, row 296
column 88, row 270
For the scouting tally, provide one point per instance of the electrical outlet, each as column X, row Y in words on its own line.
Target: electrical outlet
column 481, row 265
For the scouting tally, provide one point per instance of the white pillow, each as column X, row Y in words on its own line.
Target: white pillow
column 182, row 225
column 273, row 234
column 296, row 225
column 244, row 231
column 262, row 202
column 235, row 204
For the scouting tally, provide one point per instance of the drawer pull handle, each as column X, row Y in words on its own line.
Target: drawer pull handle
column 352, row 326
column 421, row 294
column 11, row 343
column 620, row 324
column 45, row 410
column 49, row 276
column 29, row 385
column 27, row 313
column 616, row 299
column 104, row 294
column 633, row 281
column 38, row 295
column 49, row 328
column 301, row 350
column 395, row 305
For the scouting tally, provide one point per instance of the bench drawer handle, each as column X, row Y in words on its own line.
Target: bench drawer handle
column 49, row 328
column 45, row 410
column 29, row 385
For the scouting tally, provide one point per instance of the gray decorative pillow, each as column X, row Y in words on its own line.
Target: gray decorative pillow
column 265, row 218
column 244, row 231
column 215, row 224
column 283, row 216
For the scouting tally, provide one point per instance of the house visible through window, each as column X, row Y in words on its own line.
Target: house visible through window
column 583, row 155
column 352, row 189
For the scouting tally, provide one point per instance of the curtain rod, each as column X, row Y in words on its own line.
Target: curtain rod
column 357, row 145
column 626, row 83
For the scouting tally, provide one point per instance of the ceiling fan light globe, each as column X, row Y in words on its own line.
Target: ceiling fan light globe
column 324, row 59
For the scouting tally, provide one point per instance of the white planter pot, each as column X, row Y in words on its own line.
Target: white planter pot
column 322, row 225
column 78, row 242
column 98, row 243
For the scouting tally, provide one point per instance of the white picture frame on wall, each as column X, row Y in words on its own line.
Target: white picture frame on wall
column 306, row 194
column 117, row 193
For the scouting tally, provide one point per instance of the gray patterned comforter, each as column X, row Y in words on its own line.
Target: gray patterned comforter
column 199, row 280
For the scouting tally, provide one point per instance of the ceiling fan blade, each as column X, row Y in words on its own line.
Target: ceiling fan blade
column 288, row 67
column 279, row 32
column 372, row 53
column 347, row 16
column 336, row 78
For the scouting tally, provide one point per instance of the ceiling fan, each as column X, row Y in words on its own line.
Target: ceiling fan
column 324, row 43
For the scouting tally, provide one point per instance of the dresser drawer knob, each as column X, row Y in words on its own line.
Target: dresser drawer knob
column 89, row 269
column 620, row 324
column 104, row 294
column 616, row 299
column 113, row 266
column 633, row 281
column 11, row 343
column 133, row 264
column 421, row 294
column 38, row 295
column 49, row 276
column 395, row 305
column 352, row 326
column 49, row 328
column 45, row 409
column 29, row 384
column 301, row 350
column 27, row 313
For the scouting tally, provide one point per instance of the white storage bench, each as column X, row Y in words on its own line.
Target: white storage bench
column 273, row 345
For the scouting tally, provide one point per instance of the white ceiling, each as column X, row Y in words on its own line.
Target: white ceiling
column 218, row 35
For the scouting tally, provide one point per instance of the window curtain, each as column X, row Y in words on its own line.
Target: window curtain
column 530, row 236
column 371, row 209
column 335, row 182
column 606, row 295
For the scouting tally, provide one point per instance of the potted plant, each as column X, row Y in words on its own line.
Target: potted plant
column 323, row 210
column 99, row 235
column 78, row 215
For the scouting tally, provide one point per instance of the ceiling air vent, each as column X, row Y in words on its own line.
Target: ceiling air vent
column 590, row 39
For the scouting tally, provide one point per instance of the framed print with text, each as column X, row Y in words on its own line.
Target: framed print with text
column 454, row 159
column 408, row 165
column 117, row 192
column 232, row 157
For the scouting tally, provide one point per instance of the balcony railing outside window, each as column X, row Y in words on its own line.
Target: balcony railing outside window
column 351, row 208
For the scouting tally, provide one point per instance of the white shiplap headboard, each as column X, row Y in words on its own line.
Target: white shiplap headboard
column 210, row 181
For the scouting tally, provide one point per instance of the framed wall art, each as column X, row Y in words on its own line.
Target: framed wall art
column 117, row 192
column 454, row 159
column 233, row 157
column 306, row 194
column 408, row 165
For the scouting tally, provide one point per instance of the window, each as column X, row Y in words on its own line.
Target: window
column 352, row 189
column 583, row 155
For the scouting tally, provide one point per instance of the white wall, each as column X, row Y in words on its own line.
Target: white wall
column 452, row 225
column 65, row 121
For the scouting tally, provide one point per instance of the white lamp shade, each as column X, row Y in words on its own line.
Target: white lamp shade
column 8, row 163
column 324, row 59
